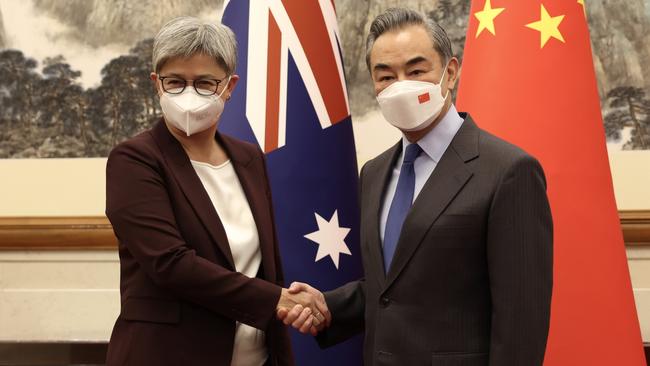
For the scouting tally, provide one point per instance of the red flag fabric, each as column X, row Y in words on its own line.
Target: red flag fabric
column 528, row 77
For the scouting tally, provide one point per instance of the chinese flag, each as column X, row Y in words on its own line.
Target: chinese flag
column 528, row 77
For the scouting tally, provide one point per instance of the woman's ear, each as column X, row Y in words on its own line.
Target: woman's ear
column 154, row 82
column 231, row 86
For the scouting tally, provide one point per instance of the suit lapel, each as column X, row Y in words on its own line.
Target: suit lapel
column 192, row 187
column 249, row 171
column 375, row 201
column 447, row 179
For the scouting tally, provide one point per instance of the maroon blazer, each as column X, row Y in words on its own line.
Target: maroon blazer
column 181, row 295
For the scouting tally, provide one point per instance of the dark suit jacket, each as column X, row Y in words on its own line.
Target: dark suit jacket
column 470, row 282
column 180, row 293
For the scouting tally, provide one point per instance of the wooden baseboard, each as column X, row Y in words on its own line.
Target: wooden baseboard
column 53, row 353
column 96, row 233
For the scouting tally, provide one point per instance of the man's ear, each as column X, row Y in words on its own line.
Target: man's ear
column 453, row 70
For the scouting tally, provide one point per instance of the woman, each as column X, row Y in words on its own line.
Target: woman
column 201, row 277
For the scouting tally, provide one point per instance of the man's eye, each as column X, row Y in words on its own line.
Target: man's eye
column 385, row 78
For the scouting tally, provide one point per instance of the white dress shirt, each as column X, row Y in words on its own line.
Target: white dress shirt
column 230, row 202
column 433, row 144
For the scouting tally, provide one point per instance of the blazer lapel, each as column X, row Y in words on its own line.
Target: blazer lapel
column 447, row 179
column 375, row 201
column 249, row 171
column 192, row 187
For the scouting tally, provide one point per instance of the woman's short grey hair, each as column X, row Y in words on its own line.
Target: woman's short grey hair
column 188, row 36
column 397, row 18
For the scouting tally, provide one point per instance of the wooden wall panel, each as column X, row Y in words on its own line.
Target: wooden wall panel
column 88, row 233
column 56, row 233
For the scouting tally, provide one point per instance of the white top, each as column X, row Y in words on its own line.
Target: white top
column 433, row 144
column 230, row 202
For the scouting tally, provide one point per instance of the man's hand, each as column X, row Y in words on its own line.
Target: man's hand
column 306, row 319
column 302, row 303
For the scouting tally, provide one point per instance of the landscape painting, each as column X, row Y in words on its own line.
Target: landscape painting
column 74, row 74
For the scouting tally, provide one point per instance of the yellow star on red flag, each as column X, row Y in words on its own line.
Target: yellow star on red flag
column 547, row 26
column 582, row 2
column 486, row 18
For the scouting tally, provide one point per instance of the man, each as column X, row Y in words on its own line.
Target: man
column 456, row 229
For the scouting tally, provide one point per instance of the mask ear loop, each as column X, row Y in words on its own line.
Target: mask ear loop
column 443, row 78
column 224, row 88
column 187, row 123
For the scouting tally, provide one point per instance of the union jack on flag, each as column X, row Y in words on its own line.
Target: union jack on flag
column 292, row 101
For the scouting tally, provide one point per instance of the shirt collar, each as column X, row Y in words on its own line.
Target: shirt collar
column 436, row 141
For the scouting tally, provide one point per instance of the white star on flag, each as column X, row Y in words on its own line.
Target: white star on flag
column 330, row 238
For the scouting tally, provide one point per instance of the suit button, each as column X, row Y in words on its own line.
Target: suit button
column 384, row 302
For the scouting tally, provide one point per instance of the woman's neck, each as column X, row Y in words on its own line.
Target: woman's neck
column 201, row 146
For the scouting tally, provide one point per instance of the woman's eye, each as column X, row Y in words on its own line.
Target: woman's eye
column 205, row 83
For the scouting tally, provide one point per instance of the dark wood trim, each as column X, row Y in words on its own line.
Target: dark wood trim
column 96, row 233
column 53, row 353
column 636, row 227
column 78, row 353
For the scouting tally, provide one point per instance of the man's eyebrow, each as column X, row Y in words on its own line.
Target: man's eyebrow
column 415, row 60
column 381, row 67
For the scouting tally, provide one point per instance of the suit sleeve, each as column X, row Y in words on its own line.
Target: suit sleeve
column 347, row 305
column 520, row 264
column 138, row 206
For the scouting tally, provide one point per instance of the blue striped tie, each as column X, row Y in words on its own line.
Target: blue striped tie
column 401, row 204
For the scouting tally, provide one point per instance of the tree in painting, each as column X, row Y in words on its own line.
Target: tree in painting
column 629, row 107
column 47, row 113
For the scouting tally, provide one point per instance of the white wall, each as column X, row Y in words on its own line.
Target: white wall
column 639, row 264
column 48, row 296
column 58, row 295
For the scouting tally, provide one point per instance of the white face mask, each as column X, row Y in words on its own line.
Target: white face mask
column 412, row 105
column 191, row 112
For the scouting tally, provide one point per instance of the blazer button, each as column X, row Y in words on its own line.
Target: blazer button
column 384, row 302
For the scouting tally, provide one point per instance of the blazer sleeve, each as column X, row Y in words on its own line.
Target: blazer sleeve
column 520, row 265
column 276, row 242
column 347, row 305
column 138, row 206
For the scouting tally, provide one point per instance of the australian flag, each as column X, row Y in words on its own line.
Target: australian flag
column 291, row 100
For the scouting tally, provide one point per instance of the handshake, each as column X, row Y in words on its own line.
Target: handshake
column 304, row 308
